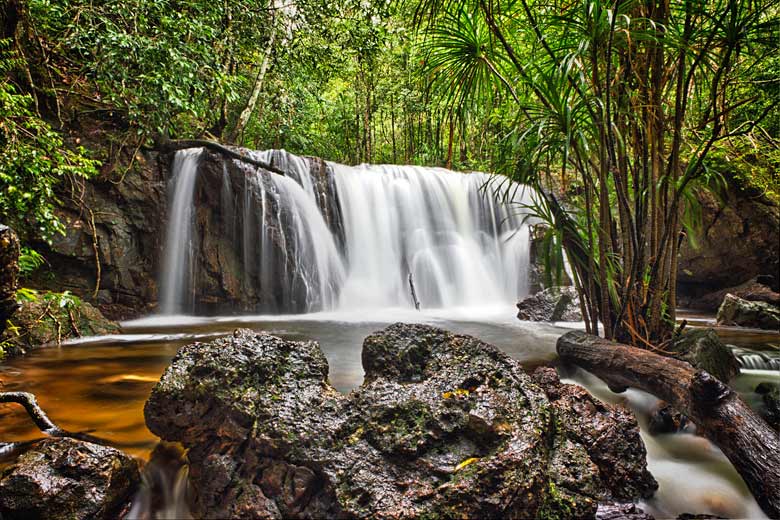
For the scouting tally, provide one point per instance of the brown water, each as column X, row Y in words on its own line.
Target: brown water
column 99, row 386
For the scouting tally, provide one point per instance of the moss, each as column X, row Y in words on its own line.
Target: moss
column 48, row 317
column 556, row 505
column 403, row 429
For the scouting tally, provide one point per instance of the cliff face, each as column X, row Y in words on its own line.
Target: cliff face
column 122, row 232
column 246, row 256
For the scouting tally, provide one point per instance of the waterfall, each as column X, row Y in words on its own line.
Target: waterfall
column 445, row 228
column 329, row 236
column 178, row 261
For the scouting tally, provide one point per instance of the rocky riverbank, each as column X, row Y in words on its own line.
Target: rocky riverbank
column 443, row 425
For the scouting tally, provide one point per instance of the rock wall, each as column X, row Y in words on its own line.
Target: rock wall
column 740, row 239
column 128, row 214
column 230, row 213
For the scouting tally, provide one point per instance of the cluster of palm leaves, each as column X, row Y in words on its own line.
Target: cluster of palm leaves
column 617, row 105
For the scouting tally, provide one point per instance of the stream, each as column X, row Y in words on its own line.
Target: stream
column 99, row 385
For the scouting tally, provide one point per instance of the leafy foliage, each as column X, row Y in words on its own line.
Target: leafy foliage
column 33, row 159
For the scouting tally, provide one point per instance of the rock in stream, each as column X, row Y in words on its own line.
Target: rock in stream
column 63, row 478
column 443, row 425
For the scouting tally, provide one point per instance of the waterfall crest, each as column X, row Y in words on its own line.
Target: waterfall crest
column 328, row 236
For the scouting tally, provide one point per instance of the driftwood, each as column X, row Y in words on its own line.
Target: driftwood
column 182, row 144
column 414, row 293
column 41, row 420
column 718, row 412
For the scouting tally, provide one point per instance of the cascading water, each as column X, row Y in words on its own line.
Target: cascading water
column 341, row 237
column 178, row 260
column 445, row 228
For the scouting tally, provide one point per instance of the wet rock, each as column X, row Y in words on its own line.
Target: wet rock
column 621, row 511
column 703, row 349
column 665, row 419
column 609, row 434
column 49, row 319
column 9, row 270
column 770, row 395
column 736, row 311
column 67, row 479
column 444, row 425
column 754, row 290
column 553, row 304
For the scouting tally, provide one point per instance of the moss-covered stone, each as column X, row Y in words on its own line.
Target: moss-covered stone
column 50, row 319
column 703, row 349
column 443, row 426
column 737, row 311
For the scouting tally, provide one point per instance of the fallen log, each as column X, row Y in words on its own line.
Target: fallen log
column 183, row 144
column 718, row 412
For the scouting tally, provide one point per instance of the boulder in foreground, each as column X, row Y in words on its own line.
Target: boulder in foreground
column 444, row 425
column 63, row 478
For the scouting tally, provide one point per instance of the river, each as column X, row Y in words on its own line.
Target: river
column 99, row 385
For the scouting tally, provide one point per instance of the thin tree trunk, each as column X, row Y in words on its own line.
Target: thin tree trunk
column 251, row 104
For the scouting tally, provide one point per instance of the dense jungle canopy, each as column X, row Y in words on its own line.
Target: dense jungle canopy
column 618, row 110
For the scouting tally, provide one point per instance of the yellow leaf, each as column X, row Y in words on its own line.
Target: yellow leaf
column 465, row 463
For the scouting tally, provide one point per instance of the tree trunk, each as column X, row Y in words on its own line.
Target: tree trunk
column 9, row 272
column 718, row 412
column 251, row 104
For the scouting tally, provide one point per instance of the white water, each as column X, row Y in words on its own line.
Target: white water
column 463, row 239
column 177, row 263
column 460, row 245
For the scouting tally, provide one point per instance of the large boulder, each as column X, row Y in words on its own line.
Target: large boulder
column 67, row 479
column 610, row 435
column 703, row 349
column 738, row 240
column 9, row 270
column 552, row 304
column 444, row 425
column 736, row 311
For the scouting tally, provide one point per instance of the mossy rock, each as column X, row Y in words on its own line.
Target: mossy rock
column 703, row 349
column 444, row 425
column 46, row 321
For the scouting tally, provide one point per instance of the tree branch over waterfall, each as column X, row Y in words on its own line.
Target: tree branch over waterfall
column 183, row 144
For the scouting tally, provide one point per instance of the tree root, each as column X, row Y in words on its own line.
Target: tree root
column 35, row 412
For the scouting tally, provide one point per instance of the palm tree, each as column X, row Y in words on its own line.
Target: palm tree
column 622, row 100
